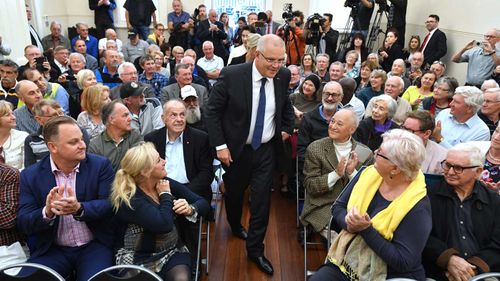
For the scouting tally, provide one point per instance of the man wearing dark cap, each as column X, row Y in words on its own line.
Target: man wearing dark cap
column 145, row 113
column 135, row 48
column 118, row 137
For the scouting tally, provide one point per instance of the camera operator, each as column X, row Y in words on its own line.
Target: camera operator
column 292, row 33
column 397, row 19
column 364, row 15
column 179, row 25
column 318, row 32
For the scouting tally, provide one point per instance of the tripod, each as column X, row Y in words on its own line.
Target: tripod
column 346, row 36
column 375, row 30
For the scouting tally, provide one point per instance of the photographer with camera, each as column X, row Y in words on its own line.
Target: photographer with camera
column 292, row 33
column 179, row 25
column 319, row 33
column 482, row 58
column 362, row 14
column 36, row 60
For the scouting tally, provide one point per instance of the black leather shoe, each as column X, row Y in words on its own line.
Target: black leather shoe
column 263, row 264
column 240, row 233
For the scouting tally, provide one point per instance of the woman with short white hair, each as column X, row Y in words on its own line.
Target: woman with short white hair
column 383, row 216
column 370, row 130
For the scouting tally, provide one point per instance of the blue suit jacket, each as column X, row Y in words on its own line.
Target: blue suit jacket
column 93, row 185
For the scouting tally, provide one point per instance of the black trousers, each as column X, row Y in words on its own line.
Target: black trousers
column 254, row 169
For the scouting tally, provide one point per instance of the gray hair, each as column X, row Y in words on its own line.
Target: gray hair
column 207, row 43
column 107, row 110
column 400, row 80
column 401, row 62
column 379, row 73
column 473, row 97
column 122, row 66
column 79, row 56
column 78, row 25
column 181, row 66
column 475, row 156
column 487, row 84
column 338, row 63
column 450, row 81
column 495, row 91
column 354, row 116
column 55, row 23
column 81, row 76
column 392, row 105
column 293, row 66
column 323, row 55
column 405, row 150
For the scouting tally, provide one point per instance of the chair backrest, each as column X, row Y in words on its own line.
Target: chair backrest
column 30, row 271
column 484, row 276
column 126, row 272
column 432, row 179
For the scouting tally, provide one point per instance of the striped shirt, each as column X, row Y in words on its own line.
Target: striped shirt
column 25, row 120
column 70, row 232
column 9, row 201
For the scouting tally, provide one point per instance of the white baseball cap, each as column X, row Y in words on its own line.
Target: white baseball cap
column 188, row 91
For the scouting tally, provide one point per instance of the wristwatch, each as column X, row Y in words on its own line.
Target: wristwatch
column 78, row 215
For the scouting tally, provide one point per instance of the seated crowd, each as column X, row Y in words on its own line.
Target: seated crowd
column 106, row 147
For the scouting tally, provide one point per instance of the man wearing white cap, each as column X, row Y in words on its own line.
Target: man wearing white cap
column 184, row 77
column 193, row 110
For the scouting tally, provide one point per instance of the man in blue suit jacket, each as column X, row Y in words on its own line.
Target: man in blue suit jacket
column 64, row 204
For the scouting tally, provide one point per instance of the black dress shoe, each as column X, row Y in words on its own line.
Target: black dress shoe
column 240, row 233
column 263, row 264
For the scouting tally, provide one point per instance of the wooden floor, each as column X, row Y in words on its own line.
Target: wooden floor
column 228, row 260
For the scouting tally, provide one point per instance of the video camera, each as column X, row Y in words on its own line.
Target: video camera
column 287, row 12
column 351, row 3
column 313, row 24
column 383, row 5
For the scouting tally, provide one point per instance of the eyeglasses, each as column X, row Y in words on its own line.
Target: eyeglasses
column 441, row 89
column 439, row 62
column 490, row 101
column 273, row 61
column 333, row 95
column 458, row 169
column 410, row 130
column 377, row 153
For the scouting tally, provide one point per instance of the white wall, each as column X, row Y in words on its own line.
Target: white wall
column 461, row 20
column 13, row 27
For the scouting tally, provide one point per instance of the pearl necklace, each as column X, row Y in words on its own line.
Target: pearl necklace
column 492, row 157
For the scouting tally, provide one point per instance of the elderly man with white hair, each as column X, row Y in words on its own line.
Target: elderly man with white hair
column 490, row 109
column 460, row 122
column 110, row 35
column 211, row 63
column 394, row 86
column 128, row 73
column 330, row 163
column 465, row 237
column 399, row 69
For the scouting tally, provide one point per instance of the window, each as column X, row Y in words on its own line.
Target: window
column 239, row 8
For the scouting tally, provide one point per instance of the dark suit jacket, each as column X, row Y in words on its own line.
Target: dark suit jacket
column 215, row 37
column 93, row 184
column 229, row 109
column 198, row 158
column 436, row 47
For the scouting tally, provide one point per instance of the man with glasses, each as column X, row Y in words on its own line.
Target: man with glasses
column 248, row 116
column 421, row 123
column 439, row 68
column 490, row 109
column 460, row 122
column 434, row 45
column 35, row 147
column 128, row 73
column 465, row 237
column 482, row 59
column 118, row 136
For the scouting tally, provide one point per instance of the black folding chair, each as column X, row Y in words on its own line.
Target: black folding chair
column 37, row 272
column 126, row 272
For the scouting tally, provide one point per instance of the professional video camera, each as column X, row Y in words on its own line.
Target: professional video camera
column 313, row 24
column 287, row 12
column 351, row 3
column 383, row 5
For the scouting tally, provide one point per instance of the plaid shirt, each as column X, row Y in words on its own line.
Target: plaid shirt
column 157, row 82
column 9, row 200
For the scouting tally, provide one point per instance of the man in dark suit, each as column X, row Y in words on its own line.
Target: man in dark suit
column 434, row 44
column 64, row 204
column 247, row 117
column 189, row 160
column 213, row 31
column 326, row 42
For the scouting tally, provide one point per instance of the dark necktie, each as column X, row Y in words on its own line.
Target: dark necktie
column 2, row 157
column 259, row 121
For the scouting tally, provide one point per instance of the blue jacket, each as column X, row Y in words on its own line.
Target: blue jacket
column 93, row 184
